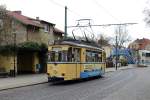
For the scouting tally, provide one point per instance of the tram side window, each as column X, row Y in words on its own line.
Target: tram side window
column 73, row 54
column 88, row 56
column 97, row 58
column 69, row 57
column 76, row 53
column 51, row 56
column 48, row 57
column 100, row 57
column 64, row 56
column 92, row 56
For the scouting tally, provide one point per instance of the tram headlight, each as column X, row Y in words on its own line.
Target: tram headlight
column 63, row 74
column 48, row 74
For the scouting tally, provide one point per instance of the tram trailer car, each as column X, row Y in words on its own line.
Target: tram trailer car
column 69, row 60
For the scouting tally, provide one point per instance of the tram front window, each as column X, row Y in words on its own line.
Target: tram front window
column 57, row 56
column 70, row 55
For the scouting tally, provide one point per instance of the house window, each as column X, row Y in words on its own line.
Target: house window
column 1, row 23
column 46, row 28
column 147, row 54
column 33, row 29
column 143, row 54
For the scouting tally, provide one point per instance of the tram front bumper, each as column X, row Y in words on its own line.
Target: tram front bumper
column 55, row 79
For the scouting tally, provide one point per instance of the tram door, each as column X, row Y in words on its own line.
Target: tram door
column 76, row 54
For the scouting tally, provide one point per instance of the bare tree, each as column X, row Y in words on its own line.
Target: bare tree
column 146, row 11
column 103, row 40
column 5, row 26
column 122, row 36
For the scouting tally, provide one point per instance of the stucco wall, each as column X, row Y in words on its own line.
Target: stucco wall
column 108, row 50
column 40, row 36
column 21, row 32
column 18, row 30
column 7, row 62
column 143, row 58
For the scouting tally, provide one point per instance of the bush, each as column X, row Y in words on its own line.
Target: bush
column 7, row 49
column 123, row 62
column 109, row 64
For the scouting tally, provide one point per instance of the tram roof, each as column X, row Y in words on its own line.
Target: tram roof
column 79, row 44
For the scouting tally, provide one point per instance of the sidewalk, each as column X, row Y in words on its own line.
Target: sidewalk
column 121, row 68
column 22, row 80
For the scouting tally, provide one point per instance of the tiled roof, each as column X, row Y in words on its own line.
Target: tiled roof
column 56, row 30
column 47, row 22
column 30, row 21
column 142, row 43
column 25, row 20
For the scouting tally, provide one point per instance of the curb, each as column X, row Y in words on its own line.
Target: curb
column 127, row 68
column 120, row 69
column 110, row 71
column 23, row 86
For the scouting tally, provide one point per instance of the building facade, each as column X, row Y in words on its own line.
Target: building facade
column 26, row 30
column 139, row 44
column 144, row 57
column 140, row 48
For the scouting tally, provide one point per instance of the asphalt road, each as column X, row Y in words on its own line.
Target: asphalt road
column 131, row 84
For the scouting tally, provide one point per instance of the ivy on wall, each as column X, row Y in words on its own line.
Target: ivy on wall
column 25, row 46
column 7, row 49
column 33, row 46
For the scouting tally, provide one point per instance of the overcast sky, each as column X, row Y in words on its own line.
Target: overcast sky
column 101, row 11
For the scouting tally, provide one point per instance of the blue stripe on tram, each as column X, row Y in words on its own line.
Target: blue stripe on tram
column 91, row 73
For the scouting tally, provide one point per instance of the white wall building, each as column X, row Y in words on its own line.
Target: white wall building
column 144, row 57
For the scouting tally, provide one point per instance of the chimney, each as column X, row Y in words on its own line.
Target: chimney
column 37, row 18
column 18, row 12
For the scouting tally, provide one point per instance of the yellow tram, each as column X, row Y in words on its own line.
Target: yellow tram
column 71, row 60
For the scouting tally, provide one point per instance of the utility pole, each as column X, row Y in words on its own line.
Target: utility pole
column 116, row 52
column 14, row 54
column 116, row 47
column 65, row 28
